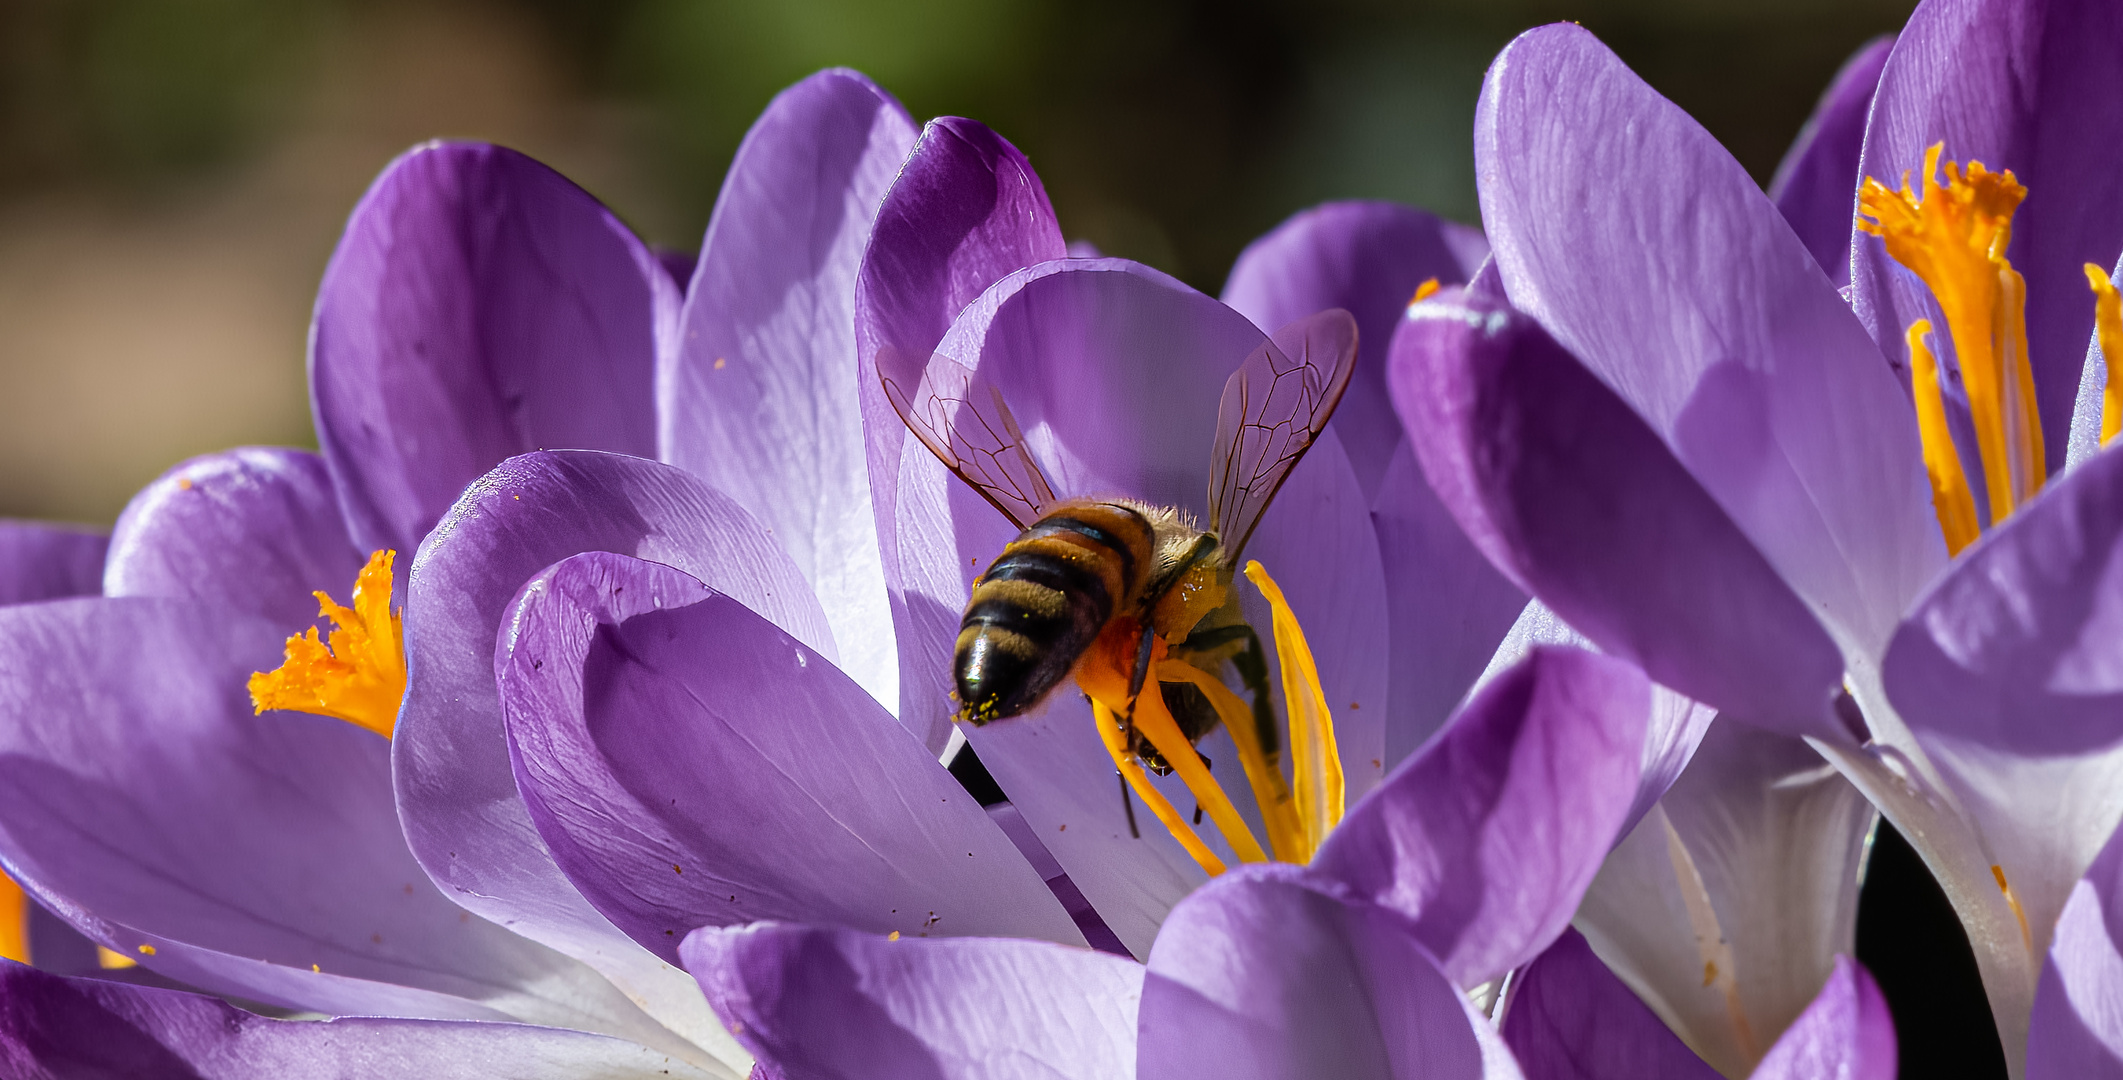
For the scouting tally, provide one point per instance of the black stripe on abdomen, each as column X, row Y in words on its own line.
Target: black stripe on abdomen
column 1031, row 615
column 1119, row 548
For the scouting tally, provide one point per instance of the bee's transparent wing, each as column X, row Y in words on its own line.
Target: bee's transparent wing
column 970, row 430
column 1275, row 404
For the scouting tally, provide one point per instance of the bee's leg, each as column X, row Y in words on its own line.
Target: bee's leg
column 1128, row 805
column 1252, row 666
column 1142, row 668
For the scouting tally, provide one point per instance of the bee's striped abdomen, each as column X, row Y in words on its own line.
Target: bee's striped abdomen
column 1042, row 603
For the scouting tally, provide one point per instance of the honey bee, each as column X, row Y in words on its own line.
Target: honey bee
column 1111, row 575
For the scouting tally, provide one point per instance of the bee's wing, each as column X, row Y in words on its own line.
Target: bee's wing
column 970, row 430
column 1275, row 404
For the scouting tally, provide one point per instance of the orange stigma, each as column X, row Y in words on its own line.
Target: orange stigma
column 1954, row 236
column 359, row 675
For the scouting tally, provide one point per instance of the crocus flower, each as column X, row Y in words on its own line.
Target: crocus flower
column 57, row 1028
column 258, row 856
column 1727, row 905
column 479, row 306
column 1353, row 967
column 1741, row 445
column 754, row 391
column 1114, row 372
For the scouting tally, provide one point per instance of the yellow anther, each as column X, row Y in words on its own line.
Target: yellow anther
column 1950, row 496
column 1270, row 791
column 1296, row 821
column 1103, row 675
column 113, row 960
column 14, row 921
column 1116, row 740
column 2108, row 328
column 1954, row 237
column 1315, row 763
column 360, row 676
column 1156, row 723
column 1423, row 292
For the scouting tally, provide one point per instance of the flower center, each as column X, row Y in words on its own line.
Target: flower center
column 1953, row 237
column 359, row 675
column 1298, row 813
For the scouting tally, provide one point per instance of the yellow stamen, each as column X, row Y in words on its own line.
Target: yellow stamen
column 1296, row 822
column 2014, row 903
column 1954, row 237
column 113, row 960
column 2108, row 327
column 14, row 921
column 1424, row 291
column 360, row 676
column 1315, row 763
column 1156, row 723
column 1116, row 740
column 1103, row 675
column 1950, row 497
column 1270, row 791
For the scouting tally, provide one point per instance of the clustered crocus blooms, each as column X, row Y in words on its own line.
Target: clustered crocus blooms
column 627, row 753
column 1659, row 414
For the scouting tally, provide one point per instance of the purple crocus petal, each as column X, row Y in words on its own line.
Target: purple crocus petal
column 1487, row 838
column 1676, row 726
column 1257, row 974
column 2009, row 672
column 2077, row 1029
column 837, row 1004
column 1633, row 237
column 1846, row 1033
column 1727, row 906
column 1366, row 258
column 1816, row 185
column 2026, row 86
column 760, row 398
column 677, row 264
column 1319, row 542
column 1446, row 605
column 256, row 529
column 1468, row 246
column 690, row 764
column 1114, row 372
column 1569, row 1018
column 965, row 211
column 254, row 855
column 57, row 1028
column 45, row 562
column 456, row 793
column 1571, row 494
column 479, row 306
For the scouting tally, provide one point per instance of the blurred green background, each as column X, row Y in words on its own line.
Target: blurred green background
column 173, row 173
